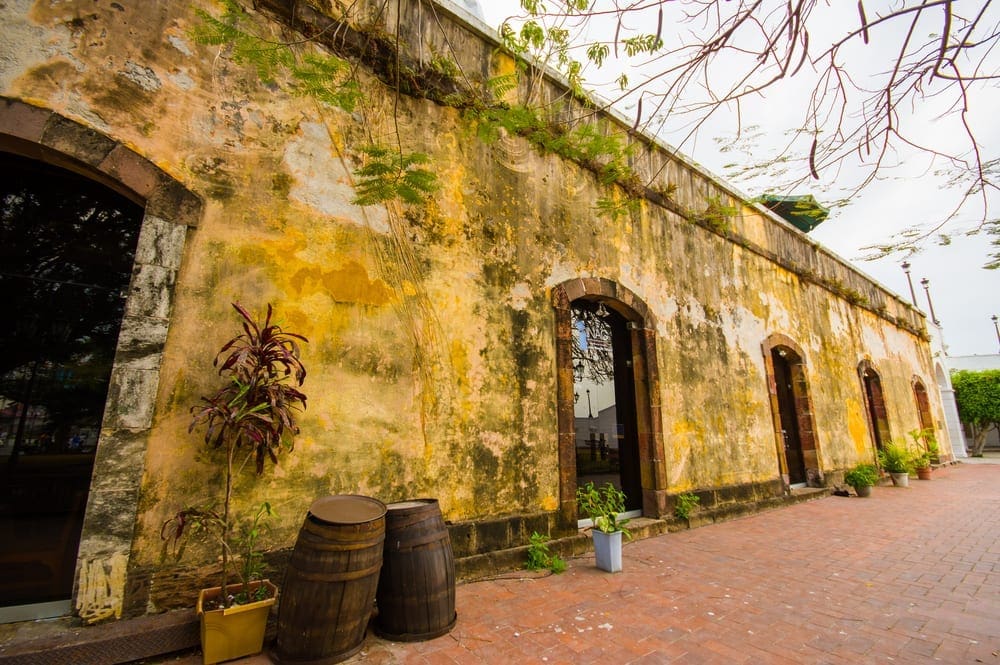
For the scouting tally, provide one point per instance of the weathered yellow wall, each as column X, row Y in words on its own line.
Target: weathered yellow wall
column 431, row 354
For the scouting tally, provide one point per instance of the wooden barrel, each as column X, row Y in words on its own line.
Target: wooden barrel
column 329, row 590
column 416, row 589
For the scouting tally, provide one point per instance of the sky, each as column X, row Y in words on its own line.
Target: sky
column 964, row 295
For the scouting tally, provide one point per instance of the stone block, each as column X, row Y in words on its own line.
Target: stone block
column 463, row 538
column 77, row 141
column 118, row 461
column 140, row 343
column 23, row 120
column 492, row 535
column 150, row 291
column 538, row 523
column 161, row 243
column 131, row 398
column 138, row 174
column 171, row 201
column 574, row 289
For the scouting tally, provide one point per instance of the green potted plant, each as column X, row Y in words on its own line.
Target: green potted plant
column 862, row 478
column 922, row 464
column 251, row 418
column 927, row 452
column 603, row 506
column 897, row 460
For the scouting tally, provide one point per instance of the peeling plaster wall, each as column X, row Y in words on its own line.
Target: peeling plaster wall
column 431, row 357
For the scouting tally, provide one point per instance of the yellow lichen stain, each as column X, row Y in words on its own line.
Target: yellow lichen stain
column 102, row 583
column 460, row 366
column 550, row 502
column 685, row 436
column 857, row 427
column 349, row 283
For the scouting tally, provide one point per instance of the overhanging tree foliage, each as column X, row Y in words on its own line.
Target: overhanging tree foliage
column 978, row 398
column 880, row 84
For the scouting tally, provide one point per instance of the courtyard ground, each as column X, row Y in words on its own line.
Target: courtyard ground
column 906, row 576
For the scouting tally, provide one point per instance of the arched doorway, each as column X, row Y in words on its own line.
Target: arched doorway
column 623, row 323
column 67, row 246
column 795, row 437
column 102, row 587
column 951, row 421
column 878, row 419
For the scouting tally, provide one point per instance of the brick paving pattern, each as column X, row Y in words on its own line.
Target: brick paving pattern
column 906, row 576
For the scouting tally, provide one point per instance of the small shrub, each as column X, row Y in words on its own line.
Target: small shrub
column 862, row 475
column 896, row 458
column 540, row 558
column 685, row 504
column 603, row 506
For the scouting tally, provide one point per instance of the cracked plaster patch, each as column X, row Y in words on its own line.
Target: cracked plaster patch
column 520, row 296
column 142, row 76
column 24, row 45
column 312, row 163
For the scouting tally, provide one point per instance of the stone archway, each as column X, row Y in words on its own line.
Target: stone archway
column 169, row 210
column 791, row 411
column 641, row 328
column 951, row 421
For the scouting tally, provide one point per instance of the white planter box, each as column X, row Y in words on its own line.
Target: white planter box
column 608, row 549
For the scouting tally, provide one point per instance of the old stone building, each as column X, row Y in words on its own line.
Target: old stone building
column 449, row 349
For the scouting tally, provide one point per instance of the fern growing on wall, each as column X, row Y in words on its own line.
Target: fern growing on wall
column 386, row 174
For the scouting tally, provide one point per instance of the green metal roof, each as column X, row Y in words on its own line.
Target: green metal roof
column 802, row 212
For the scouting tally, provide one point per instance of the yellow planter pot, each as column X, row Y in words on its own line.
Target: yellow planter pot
column 235, row 631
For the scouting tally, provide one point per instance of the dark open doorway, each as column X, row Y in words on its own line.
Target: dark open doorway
column 67, row 247
column 878, row 419
column 923, row 406
column 789, row 416
column 606, row 426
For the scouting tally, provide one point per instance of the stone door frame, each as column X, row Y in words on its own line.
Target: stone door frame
column 101, row 581
column 642, row 327
column 795, row 357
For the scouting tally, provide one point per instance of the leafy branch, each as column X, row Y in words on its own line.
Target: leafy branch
column 389, row 174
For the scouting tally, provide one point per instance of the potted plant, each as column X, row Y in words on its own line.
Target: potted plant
column 922, row 465
column 603, row 506
column 927, row 452
column 250, row 418
column 897, row 460
column 862, row 478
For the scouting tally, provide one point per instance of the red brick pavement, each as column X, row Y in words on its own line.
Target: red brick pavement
column 906, row 576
